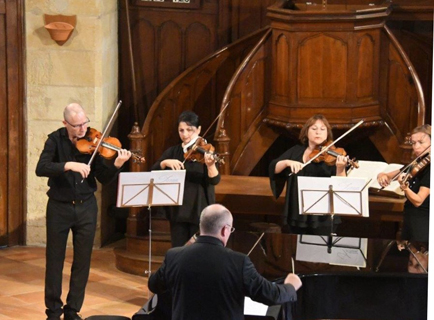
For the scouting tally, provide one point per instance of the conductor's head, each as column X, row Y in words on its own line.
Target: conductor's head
column 216, row 221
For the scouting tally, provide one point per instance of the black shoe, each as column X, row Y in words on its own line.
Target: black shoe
column 53, row 318
column 72, row 315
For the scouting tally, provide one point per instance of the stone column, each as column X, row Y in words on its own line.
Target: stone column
column 84, row 69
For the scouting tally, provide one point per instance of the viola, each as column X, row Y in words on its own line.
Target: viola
column 198, row 150
column 329, row 157
column 108, row 148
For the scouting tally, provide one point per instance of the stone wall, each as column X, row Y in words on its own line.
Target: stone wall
column 83, row 70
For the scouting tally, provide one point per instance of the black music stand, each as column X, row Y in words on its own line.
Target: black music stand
column 150, row 189
column 335, row 195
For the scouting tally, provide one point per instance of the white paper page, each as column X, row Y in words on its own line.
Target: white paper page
column 347, row 251
column 371, row 169
column 168, row 187
column 350, row 196
column 313, row 195
column 253, row 308
column 134, row 188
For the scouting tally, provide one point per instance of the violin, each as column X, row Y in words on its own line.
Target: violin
column 329, row 157
column 198, row 150
column 416, row 168
column 109, row 146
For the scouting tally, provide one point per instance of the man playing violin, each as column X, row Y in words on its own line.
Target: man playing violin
column 200, row 179
column 71, row 207
column 315, row 132
column 416, row 189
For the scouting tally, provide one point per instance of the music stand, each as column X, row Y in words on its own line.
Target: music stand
column 334, row 195
column 148, row 189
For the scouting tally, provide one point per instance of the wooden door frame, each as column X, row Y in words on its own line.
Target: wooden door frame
column 16, row 157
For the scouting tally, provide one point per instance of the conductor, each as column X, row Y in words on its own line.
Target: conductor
column 209, row 281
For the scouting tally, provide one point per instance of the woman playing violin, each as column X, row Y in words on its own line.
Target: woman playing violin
column 200, row 179
column 416, row 189
column 314, row 133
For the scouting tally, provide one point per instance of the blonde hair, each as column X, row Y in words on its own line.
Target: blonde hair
column 426, row 128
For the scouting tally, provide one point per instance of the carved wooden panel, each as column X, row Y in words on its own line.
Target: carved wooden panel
column 248, row 15
column 322, row 66
column 281, row 66
column 165, row 42
column 366, row 67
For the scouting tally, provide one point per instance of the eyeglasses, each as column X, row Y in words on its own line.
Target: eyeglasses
column 81, row 125
column 230, row 227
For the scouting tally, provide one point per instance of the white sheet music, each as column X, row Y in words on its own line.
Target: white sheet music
column 349, row 195
column 253, row 308
column 156, row 188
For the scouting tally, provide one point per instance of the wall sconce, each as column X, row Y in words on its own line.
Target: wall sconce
column 60, row 27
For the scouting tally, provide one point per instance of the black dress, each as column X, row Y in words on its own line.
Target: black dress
column 416, row 219
column 198, row 192
column 292, row 217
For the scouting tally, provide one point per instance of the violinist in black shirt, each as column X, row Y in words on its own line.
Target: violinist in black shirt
column 71, row 207
column 416, row 189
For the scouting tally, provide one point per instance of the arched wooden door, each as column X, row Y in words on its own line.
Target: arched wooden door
column 12, row 163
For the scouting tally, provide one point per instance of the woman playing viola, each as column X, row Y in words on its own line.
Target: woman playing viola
column 417, row 190
column 200, row 180
column 314, row 133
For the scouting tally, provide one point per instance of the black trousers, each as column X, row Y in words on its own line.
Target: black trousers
column 62, row 217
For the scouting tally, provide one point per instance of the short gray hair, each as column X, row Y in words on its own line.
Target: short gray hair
column 213, row 218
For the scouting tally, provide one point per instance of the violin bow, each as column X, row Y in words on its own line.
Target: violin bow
column 107, row 127
column 422, row 155
column 131, row 54
column 330, row 145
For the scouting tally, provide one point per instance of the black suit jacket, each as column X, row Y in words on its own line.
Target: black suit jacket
column 209, row 281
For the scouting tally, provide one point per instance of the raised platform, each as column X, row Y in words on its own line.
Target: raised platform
column 250, row 200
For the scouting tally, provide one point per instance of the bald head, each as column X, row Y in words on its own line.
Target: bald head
column 75, row 121
column 213, row 222
column 72, row 110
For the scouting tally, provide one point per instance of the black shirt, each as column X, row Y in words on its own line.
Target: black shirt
column 68, row 185
column 198, row 190
column 277, row 182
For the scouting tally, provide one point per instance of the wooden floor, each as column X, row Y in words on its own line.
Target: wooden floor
column 109, row 291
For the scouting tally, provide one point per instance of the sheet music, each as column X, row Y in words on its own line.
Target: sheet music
column 350, row 196
column 254, row 308
column 156, row 188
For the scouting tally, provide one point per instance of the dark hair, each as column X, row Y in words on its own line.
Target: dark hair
column 190, row 118
column 310, row 122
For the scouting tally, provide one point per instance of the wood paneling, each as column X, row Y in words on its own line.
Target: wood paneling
column 12, row 202
column 168, row 38
column 3, row 130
